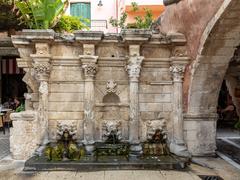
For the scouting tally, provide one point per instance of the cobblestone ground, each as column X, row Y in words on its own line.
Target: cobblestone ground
column 4, row 144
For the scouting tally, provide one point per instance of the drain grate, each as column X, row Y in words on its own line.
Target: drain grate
column 207, row 177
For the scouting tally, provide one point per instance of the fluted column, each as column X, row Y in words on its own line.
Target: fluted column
column 134, row 69
column 42, row 68
column 89, row 65
column 177, row 146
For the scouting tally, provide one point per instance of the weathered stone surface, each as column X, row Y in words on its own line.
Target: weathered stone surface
column 24, row 137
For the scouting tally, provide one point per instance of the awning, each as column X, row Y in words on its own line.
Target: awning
column 9, row 66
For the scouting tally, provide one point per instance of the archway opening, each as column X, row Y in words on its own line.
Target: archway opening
column 226, row 109
column 228, row 123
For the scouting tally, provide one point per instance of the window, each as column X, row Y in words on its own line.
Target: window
column 81, row 9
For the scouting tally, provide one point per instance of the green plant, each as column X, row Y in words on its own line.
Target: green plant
column 144, row 22
column 20, row 108
column 119, row 23
column 41, row 14
column 237, row 125
column 71, row 23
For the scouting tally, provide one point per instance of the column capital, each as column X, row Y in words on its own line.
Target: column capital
column 89, row 65
column 90, row 69
column 134, row 67
column 42, row 71
column 177, row 72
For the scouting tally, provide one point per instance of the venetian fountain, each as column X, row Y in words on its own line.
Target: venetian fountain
column 105, row 100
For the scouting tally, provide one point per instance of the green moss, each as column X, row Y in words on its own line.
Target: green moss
column 48, row 153
column 73, row 152
column 57, row 152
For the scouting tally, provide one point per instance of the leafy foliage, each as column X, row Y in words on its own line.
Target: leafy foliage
column 71, row 23
column 120, row 23
column 41, row 14
column 140, row 22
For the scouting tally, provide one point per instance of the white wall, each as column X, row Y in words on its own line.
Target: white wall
column 104, row 12
column 144, row 2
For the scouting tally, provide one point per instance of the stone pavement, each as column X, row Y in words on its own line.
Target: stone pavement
column 4, row 144
column 12, row 170
column 228, row 146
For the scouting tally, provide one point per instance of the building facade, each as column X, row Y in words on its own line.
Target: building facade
column 99, row 12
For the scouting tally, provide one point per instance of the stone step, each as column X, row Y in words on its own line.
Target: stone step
column 117, row 163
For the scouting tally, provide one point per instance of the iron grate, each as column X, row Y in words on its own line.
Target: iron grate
column 209, row 177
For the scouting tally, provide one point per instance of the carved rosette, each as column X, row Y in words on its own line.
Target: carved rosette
column 177, row 72
column 134, row 67
column 111, row 86
column 90, row 69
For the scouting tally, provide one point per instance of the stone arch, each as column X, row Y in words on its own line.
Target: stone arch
column 217, row 46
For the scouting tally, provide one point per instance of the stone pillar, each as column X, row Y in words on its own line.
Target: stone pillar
column 133, row 69
column 177, row 146
column 42, row 68
column 89, row 65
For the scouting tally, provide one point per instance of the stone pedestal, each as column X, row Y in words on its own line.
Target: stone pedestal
column 90, row 69
column 134, row 68
column 177, row 145
column 24, row 137
column 200, row 133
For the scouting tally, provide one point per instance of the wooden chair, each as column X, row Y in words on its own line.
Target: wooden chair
column 2, row 123
column 6, row 119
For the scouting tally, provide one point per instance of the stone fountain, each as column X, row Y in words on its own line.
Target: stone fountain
column 122, row 90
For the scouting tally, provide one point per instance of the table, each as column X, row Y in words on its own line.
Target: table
column 4, row 110
column 2, row 114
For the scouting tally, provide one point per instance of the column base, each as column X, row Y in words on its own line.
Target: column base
column 135, row 151
column 179, row 149
column 90, row 148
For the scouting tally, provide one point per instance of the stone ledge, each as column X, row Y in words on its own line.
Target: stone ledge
column 23, row 116
column 200, row 117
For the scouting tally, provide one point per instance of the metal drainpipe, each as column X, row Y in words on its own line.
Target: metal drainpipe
column 169, row 2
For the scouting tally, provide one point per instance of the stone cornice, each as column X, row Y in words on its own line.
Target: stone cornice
column 127, row 36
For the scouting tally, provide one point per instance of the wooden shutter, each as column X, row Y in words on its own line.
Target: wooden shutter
column 81, row 9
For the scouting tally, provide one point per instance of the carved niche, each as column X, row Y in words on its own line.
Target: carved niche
column 111, row 96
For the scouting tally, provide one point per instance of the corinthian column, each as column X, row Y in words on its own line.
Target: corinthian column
column 177, row 146
column 42, row 68
column 133, row 69
column 90, row 69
